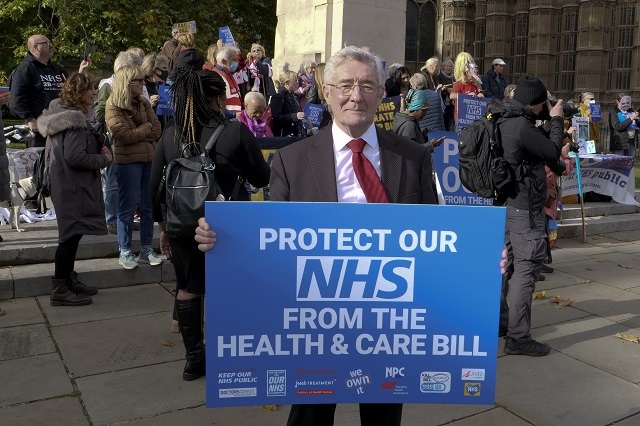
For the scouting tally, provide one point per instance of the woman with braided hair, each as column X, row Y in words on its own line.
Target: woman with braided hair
column 200, row 102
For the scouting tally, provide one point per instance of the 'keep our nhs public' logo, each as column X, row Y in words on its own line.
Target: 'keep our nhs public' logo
column 357, row 279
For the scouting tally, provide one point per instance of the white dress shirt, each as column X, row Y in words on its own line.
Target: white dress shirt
column 349, row 189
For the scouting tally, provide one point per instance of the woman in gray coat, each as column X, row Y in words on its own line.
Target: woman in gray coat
column 75, row 153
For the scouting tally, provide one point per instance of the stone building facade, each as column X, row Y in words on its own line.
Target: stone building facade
column 572, row 45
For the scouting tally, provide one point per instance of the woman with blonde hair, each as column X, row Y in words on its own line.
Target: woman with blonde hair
column 467, row 80
column 307, row 89
column 285, row 109
column 189, row 57
column 75, row 153
column 135, row 129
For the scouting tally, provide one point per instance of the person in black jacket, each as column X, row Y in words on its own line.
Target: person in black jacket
column 398, row 84
column 493, row 82
column 199, row 110
column 189, row 57
column 36, row 82
column 623, row 127
column 526, row 149
column 285, row 109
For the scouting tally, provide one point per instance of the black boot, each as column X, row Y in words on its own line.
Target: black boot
column 190, row 319
column 61, row 295
column 80, row 288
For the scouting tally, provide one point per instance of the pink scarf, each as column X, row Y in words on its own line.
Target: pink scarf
column 258, row 127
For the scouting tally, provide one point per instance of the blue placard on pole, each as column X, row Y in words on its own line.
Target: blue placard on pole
column 225, row 35
column 596, row 112
column 313, row 113
column 165, row 105
column 315, row 303
column 470, row 108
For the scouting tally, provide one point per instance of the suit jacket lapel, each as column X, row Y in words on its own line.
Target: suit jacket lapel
column 323, row 166
column 390, row 165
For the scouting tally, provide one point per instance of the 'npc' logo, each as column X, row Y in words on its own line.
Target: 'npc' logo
column 379, row 279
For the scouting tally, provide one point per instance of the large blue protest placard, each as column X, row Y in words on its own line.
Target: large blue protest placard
column 470, row 108
column 224, row 34
column 446, row 160
column 339, row 302
column 165, row 105
column 596, row 112
column 313, row 113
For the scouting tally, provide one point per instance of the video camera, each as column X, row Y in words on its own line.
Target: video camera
column 568, row 108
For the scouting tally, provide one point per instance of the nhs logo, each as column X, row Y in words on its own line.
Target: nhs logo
column 372, row 279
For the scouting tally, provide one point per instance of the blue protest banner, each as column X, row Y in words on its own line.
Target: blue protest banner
column 313, row 112
column 339, row 302
column 224, row 34
column 470, row 108
column 445, row 160
column 596, row 112
column 165, row 106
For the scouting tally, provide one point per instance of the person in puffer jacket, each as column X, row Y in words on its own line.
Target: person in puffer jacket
column 135, row 129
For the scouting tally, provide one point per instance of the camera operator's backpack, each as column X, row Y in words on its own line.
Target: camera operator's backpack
column 482, row 168
column 187, row 183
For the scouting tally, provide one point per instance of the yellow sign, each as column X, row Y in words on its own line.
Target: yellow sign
column 187, row 27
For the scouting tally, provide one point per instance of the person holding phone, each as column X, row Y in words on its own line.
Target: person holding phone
column 75, row 153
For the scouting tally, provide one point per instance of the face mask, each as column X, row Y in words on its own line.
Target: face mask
column 625, row 103
column 164, row 75
column 233, row 67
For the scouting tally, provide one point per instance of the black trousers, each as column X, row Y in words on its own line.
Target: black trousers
column 322, row 415
column 65, row 256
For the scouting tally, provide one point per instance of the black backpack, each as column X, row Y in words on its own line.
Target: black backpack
column 482, row 168
column 187, row 183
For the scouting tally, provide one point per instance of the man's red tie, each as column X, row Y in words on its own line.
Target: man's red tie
column 365, row 173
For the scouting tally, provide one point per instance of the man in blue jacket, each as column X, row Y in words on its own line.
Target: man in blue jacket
column 493, row 82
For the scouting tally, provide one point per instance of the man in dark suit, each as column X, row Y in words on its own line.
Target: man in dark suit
column 353, row 161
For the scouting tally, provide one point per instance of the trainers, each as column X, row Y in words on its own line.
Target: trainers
column 530, row 347
column 127, row 260
column 149, row 257
column 112, row 228
column 546, row 269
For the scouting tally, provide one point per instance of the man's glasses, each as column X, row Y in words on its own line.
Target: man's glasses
column 347, row 88
column 137, row 80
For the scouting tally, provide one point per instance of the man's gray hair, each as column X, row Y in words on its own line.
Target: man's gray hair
column 227, row 53
column 126, row 59
column 418, row 81
column 353, row 53
column 254, row 97
column 392, row 68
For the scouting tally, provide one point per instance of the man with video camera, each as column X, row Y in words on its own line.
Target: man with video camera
column 527, row 149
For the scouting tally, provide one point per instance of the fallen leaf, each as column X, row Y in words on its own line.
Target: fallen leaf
column 600, row 260
column 625, row 266
column 555, row 299
column 594, row 238
column 584, row 281
column 565, row 302
column 628, row 337
column 168, row 343
column 539, row 295
column 589, row 269
column 1, row 312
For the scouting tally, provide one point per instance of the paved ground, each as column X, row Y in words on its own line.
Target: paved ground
column 106, row 364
